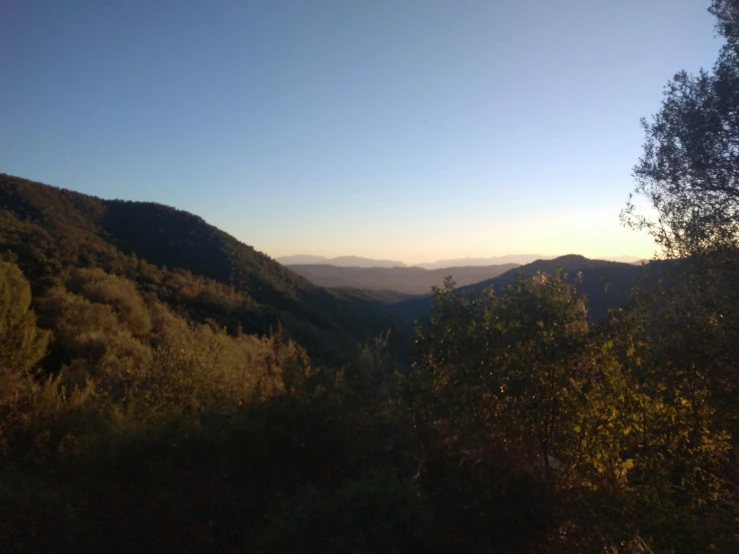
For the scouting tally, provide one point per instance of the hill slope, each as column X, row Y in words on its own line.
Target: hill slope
column 604, row 283
column 407, row 280
column 193, row 266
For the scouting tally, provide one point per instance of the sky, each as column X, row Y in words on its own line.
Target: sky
column 413, row 130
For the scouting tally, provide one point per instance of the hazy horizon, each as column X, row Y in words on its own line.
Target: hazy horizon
column 500, row 259
column 416, row 130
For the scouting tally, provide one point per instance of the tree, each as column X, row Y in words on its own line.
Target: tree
column 23, row 344
column 523, row 371
column 727, row 13
column 689, row 171
column 689, row 176
column 618, row 424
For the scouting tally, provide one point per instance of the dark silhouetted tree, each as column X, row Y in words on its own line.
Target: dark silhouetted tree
column 689, row 171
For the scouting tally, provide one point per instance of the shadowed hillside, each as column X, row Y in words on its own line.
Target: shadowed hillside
column 605, row 284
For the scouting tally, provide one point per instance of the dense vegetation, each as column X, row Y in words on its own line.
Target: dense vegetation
column 196, row 269
column 150, row 400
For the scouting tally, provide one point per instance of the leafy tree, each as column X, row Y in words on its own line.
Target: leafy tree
column 688, row 172
column 679, row 490
column 529, row 401
column 518, row 366
column 727, row 13
column 686, row 330
column 23, row 344
column 617, row 427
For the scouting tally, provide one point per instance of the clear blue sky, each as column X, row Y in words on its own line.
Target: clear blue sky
column 403, row 129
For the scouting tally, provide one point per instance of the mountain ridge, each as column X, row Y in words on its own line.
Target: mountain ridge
column 605, row 283
column 363, row 262
column 191, row 265
column 338, row 261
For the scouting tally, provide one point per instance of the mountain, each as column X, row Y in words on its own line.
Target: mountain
column 357, row 261
column 605, row 284
column 628, row 259
column 517, row 259
column 407, row 280
column 197, row 269
column 341, row 261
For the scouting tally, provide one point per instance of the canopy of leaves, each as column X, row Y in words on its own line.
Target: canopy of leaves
column 688, row 172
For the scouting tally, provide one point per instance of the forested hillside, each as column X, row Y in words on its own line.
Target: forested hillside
column 193, row 267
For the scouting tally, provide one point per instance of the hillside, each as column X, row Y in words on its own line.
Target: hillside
column 194, row 267
column 604, row 283
column 407, row 280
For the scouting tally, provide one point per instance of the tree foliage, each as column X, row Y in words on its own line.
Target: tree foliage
column 23, row 344
column 688, row 172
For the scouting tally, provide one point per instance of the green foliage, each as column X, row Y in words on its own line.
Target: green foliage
column 522, row 370
column 134, row 377
column 23, row 344
column 727, row 15
column 685, row 359
column 96, row 286
column 616, row 424
column 520, row 427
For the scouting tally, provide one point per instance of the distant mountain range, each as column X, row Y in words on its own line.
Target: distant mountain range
column 341, row 261
column 518, row 259
column 358, row 261
column 407, row 280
